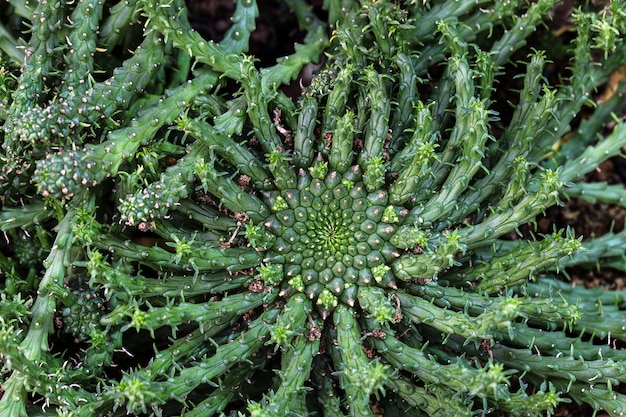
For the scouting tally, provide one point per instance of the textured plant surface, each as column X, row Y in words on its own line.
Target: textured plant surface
column 181, row 237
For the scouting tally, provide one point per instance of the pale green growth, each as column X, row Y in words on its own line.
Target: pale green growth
column 390, row 215
column 280, row 335
column 85, row 226
column 380, row 306
column 182, row 247
column 271, row 274
column 374, row 175
column 297, row 283
column 410, row 237
column 347, row 183
column 380, row 272
column 372, row 380
column 138, row 319
column 319, row 170
column 327, row 300
column 279, row 204
column 136, row 393
column 253, row 233
column 276, row 159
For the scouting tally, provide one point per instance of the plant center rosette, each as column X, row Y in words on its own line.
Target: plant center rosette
column 331, row 237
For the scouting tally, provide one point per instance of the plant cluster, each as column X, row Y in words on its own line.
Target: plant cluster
column 181, row 237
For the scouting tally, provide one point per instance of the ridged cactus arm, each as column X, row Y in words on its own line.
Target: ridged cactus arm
column 187, row 259
column 599, row 398
column 430, row 402
column 88, row 104
column 228, row 388
column 156, row 199
column 586, row 380
column 589, row 128
column 291, row 323
column 588, row 72
column 181, row 226
column 294, row 338
column 82, row 43
column 258, row 95
column 185, row 349
column 612, row 322
column 107, row 97
column 245, row 346
column 119, row 17
column 480, row 22
column 372, row 156
column 610, row 146
column 432, row 15
column 535, row 118
column 242, row 159
column 516, row 267
column 475, row 126
column 379, row 306
column 456, row 88
column 523, row 25
column 382, row 26
column 497, row 313
column 140, row 390
column 36, row 341
column 486, row 70
column 481, row 385
column 24, row 217
column 408, row 98
column 209, row 217
column 49, row 384
column 543, row 192
column 325, row 388
column 310, row 51
column 380, row 106
column 46, row 21
column 591, row 302
column 337, row 99
column 237, row 37
column 563, row 369
column 596, row 250
column 597, row 192
column 304, row 135
column 62, row 174
column 169, row 18
column 414, row 163
column 341, row 156
column 359, row 376
column 114, row 280
column 8, row 45
column 205, row 315
column 214, row 182
column 290, row 397
column 532, row 338
column 473, row 328
column 528, row 98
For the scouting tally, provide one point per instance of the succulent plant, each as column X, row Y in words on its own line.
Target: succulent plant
column 217, row 247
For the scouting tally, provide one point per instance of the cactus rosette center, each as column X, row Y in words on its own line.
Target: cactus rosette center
column 332, row 236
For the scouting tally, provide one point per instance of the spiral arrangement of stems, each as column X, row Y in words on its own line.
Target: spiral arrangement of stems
column 182, row 238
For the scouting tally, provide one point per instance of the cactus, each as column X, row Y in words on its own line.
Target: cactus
column 181, row 237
